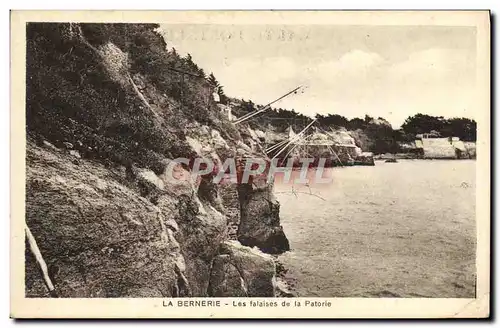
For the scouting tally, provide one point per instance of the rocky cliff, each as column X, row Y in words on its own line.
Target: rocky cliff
column 106, row 115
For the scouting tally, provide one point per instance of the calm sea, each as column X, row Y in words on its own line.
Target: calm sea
column 403, row 229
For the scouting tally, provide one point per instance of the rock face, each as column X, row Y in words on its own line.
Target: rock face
column 229, row 195
column 241, row 271
column 108, row 217
column 98, row 237
column 225, row 279
column 259, row 222
column 101, row 238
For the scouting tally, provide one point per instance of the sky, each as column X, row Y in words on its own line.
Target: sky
column 383, row 71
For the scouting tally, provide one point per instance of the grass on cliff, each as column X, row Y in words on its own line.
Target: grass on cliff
column 72, row 98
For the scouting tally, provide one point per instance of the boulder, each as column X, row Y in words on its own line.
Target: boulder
column 50, row 146
column 217, row 140
column 150, row 177
column 225, row 279
column 68, row 145
column 75, row 153
column 259, row 218
column 282, row 289
column 365, row 158
column 243, row 148
column 248, row 272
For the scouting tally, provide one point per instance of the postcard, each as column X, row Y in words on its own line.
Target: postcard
column 250, row 164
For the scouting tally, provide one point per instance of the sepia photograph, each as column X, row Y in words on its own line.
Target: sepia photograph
column 231, row 162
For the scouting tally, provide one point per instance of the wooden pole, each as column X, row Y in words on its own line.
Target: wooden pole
column 39, row 258
column 249, row 115
column 295, row 138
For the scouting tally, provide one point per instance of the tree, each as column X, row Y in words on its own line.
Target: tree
column 357, row 123
column 174, row 52
column 212, row 80
column 216, row 86
column 422, row 123
column 383, row 136
column 463, row 128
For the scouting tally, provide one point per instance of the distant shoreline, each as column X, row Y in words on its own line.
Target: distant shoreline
column 404, row 156
column 427, row 159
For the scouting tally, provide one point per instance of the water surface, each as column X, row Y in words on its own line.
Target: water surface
column 402, row 229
